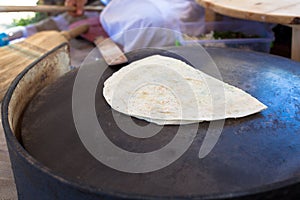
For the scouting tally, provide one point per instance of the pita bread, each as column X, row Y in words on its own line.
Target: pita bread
column 165, row 90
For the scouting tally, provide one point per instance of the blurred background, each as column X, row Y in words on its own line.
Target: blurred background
column 280, row 46
column 7, row 19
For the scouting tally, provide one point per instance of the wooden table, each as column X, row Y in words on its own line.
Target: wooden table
column 280, row 12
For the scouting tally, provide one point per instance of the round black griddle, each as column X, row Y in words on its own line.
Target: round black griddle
column 255, row 157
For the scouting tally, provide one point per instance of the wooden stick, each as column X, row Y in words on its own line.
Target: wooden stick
column 46, row 8
column 296, row 43
column 75, row 31
column 111, row 52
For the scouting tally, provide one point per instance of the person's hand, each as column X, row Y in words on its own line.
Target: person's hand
column 79, row 4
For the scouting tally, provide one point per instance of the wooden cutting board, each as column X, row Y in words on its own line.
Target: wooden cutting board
column 282, row 12
column 15, row 57
column 273, row 11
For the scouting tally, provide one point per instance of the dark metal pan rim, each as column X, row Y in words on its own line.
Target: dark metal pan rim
column 15, row 145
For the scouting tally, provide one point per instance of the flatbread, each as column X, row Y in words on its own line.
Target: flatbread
column 165, row 90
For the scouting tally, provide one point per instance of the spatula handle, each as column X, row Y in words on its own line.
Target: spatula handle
column 46, row 8
column 75, row 31
column 111, row 52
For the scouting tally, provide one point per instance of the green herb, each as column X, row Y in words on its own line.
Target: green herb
column 177, row 43
column 29, row 20
column 232, row 35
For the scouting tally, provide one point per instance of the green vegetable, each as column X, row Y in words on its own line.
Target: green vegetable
column 232, row 35
column 29, row 20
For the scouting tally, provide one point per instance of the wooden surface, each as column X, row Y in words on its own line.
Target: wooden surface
column 15, row 57
column 281, row 12
column 274, row 11
column 7, row 184
column 46, row 8
column 110, row 51
column 296, row 43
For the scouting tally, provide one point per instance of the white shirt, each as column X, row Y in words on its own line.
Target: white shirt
column 128, row 21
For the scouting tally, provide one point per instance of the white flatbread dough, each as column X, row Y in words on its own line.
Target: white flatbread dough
column 165, row 90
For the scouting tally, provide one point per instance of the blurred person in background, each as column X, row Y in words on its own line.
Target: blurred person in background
column 156, row 23
column 125, row 20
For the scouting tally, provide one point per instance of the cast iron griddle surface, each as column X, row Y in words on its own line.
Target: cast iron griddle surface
column 254, row 153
